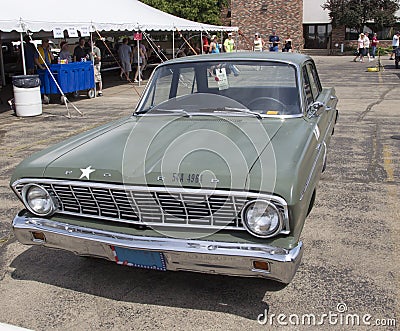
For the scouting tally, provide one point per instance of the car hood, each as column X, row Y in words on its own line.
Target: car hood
column 200, row 151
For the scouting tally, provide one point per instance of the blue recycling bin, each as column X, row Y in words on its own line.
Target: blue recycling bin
column 71, row 77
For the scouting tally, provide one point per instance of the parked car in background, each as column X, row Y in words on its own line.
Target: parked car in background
column 215, row 171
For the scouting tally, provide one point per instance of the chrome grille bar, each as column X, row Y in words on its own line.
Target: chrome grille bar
column 153, row 206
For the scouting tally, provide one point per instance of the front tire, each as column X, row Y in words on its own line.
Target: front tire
column 311, row 205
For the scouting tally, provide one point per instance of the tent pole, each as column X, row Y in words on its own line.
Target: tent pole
column 173, row 44
column 23, row 53
column 201, row 41
column 138, row 60
column 92, row 57
column 3, row 74
column 237, row 41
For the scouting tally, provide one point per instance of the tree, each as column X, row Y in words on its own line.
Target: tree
column 356, row 13
column 204, row 11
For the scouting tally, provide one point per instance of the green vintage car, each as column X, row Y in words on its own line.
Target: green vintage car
column 215, row 171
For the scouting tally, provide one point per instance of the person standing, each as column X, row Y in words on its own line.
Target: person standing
column 45, row 56
column 125, row 56
column 366, row 45
column 30, row 55
column 229, row 47
column 258, row 43
column 274, row 42
column 95, row 57
column 360, row 48
column 137, row 49
column 206, row 46
column 229, row 44
column 214, row 45
column 79, row 51
column 43, row 60
column 395, row 44
column 288, row 44
column 64, row 53
column 144, row 59
column 374, row 45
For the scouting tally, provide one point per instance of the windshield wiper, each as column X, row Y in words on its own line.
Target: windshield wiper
column 182, row 111
column 240, row 110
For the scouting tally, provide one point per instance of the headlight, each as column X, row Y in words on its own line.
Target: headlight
column 38, row 200
column 261, row 218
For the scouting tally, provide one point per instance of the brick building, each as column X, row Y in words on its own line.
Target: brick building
column 261, row 16
column 304, row 20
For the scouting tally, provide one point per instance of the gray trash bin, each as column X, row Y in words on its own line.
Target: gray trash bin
column 27, row 95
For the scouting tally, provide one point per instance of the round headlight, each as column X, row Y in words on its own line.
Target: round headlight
column 261, row 218
column 38, row 200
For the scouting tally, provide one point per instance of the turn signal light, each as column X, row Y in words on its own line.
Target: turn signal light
column 38, row 236
column 261, row 265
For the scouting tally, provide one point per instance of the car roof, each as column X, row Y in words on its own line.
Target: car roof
column 294, row 58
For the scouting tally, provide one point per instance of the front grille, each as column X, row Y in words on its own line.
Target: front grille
column 151, row 206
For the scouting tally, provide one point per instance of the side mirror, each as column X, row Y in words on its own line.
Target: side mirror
column 316, row 109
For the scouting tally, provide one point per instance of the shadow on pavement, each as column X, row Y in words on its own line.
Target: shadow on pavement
column 233, row 295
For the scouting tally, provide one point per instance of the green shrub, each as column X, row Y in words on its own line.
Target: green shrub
column 383, row 50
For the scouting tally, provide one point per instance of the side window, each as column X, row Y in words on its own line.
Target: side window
column 187, row 82
column 316, row 78
column 161, row 90
column 307, row 87
column 314, row 81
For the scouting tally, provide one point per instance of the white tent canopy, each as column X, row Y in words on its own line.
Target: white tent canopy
column 120, row 15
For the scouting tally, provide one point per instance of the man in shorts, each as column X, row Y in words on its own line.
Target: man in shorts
column 126, row 57
column 395, row 44
column 95, row 57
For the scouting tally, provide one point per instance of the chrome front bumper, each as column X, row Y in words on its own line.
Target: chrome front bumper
column 233, row 259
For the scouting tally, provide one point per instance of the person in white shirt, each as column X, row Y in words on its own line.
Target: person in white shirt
column 395, row 43
column 366, row 45
column 360, row 48
column 258, row 43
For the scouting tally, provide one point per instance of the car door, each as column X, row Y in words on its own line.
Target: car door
column 321, row 113
column 327, row 100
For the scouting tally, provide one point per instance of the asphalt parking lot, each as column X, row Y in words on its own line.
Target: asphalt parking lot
column 350, row 265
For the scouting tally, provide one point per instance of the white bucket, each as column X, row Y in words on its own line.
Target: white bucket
column 27, row 101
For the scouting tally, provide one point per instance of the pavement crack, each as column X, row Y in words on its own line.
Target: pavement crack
column 371, row 105
column 375, row 171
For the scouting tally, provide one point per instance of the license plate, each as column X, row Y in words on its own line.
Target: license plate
column 186, row 178
column 139, row 259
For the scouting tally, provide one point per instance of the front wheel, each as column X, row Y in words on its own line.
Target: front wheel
column 91, row 93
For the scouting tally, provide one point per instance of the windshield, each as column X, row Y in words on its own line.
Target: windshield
column 251, row 87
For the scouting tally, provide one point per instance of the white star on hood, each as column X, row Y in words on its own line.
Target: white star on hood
column 86, row 172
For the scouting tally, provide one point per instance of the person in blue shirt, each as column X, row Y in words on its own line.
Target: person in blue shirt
column 214, row 45
column 274, row 42
column 31, row 55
